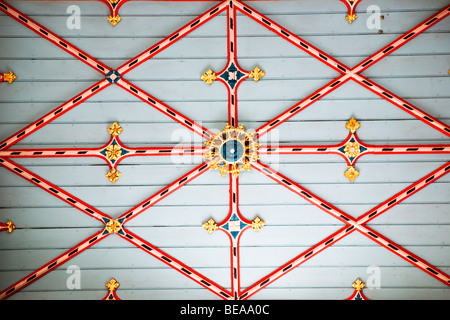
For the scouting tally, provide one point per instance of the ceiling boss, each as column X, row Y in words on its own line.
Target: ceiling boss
column 232, row 150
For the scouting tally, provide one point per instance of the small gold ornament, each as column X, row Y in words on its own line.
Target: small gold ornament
column 358, row 285
column 113, row 175
column 351, row 173
column 256, row 74
column 257, row 224
column 210, row 226
column 115, row 129
column 209, row 76
column 113, row 226
column 352, row 125
column 351, row 17
column 11, row 226
column 352, row 149
column 9, row 77
column 114, row 19
column 113, row 151
column 112, row 284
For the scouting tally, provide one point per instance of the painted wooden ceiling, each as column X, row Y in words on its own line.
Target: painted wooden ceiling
column 234, row 150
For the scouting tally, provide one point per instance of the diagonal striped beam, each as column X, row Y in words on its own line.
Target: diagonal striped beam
column 404, row 254
column 175, row 264
column 304, row 193
column 360, row 223
column 162, row 107
column 54, row 114
column 353, row 73
column 306, row 102
column 53, row 38
column 291, row 37
column 295, row 262
column 171, row 39
column 402, row 40
column 158, row 196
column 404, row 194
column 52, row 265
column 53, row 189
column 402, row 104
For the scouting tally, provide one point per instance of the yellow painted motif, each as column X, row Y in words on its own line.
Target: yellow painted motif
column 11, row 226
column 352, row 149
column 9, row 77
column 358, row 285
column 210, row 226
column 351, row 173
column 113, row 226
column 113, row 175
column 209, row 76
column 115, row 129
column 352, row 125
column 257, row 224
column 256, row 74
column 351, row 17
column 113, row 151
column 114, row 19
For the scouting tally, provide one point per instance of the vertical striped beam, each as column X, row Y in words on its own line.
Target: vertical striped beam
column 234, row 253
column 171, row 39
column 232, row 58
column 291, row 37
column 52, row 265
column 53, row 38
column 175, row 264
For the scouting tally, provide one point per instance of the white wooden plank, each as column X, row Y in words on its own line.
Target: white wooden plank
column 104, row 113
column 158, row 25
column 250, row 257
column 318, row 132
column 322, row 278
column 295, row 90
column 217, row 195
column 17, row 48
column 135, row 175
column 285, row 236
column 273, row 215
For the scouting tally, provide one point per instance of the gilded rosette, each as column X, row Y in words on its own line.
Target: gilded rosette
column 232, row 150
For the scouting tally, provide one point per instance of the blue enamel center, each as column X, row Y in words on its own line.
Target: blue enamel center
column 232, row 150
